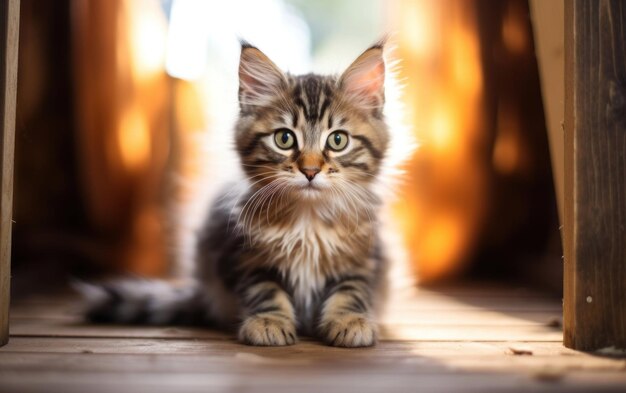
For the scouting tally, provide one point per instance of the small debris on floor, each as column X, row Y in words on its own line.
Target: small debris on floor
column 86, row 351
column 520, row 350
column 555, row 322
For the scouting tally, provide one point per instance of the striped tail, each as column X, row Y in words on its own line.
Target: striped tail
column 142, row 301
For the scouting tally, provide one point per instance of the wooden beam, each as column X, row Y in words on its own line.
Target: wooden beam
column 547, row 17
column 9, row 33
column 595, row 167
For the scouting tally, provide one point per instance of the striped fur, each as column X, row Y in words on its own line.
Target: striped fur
column 296, row 250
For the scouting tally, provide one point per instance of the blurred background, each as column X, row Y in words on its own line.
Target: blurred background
column 114, row 97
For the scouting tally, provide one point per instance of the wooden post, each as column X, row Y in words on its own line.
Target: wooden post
column 547, row 17
column 595, row 181
column 9, row 32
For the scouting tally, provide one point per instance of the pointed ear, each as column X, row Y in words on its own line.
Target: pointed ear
column 364, row 80
column 260, row 80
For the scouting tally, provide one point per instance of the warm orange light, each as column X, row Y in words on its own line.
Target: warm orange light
column 443, row 129
column 192, row 124
column 513, row 29
column 143, row 250
column 506, row 152
column 465, row 58
column 133, row 140
column 441, row 243
column 444, row 198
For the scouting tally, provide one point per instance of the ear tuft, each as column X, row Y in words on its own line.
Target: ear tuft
column 364, row 80
column 245, row 44
column 260, row 80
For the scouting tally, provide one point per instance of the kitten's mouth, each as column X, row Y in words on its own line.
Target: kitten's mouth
column 311, row 189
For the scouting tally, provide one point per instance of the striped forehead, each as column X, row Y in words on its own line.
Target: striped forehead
column 312, row 96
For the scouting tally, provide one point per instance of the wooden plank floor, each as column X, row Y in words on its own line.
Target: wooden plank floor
column 474, row 338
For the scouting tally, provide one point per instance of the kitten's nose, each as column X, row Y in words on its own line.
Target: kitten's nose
column 310, row 172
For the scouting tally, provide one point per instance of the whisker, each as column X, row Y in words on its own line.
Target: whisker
column 251, row 204
column 269, row 204
column 357, row 192
column 236, row 205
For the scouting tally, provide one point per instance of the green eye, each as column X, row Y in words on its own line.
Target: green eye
column 337, row 140
column 284, row 139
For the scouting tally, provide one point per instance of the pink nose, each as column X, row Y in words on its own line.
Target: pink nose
column 310, row 172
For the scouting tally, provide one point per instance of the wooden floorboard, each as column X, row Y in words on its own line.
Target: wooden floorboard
column 398, row 332
column 455, row 339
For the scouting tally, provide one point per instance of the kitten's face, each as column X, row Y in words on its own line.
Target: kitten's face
column 311, row 136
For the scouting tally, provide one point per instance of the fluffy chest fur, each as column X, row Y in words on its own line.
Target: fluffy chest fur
column 309, row 249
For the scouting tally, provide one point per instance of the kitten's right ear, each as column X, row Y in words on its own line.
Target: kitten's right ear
column 260, row 80
column 364, row 80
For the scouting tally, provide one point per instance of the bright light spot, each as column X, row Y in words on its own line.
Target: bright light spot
column 133, row 139
column 466, row 65
column 187, row 39
column 441, row 245
column 445, row 97
column 209, row 30
column 148, row 35
column 442, row 128
column 418, row 27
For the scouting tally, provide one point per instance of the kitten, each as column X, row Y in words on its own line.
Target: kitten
column 298, row 250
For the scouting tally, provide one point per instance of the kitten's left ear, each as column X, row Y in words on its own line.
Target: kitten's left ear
column 364, row 80
column 260, row 80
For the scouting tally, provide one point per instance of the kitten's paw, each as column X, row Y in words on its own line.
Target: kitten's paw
column 267, row 331
column 350, row 330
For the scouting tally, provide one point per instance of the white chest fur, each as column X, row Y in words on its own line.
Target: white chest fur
column 306, row 253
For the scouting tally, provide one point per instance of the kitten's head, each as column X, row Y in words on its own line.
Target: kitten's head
column 311, row 136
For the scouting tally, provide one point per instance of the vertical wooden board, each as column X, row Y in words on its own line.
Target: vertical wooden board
column 548, row 32
column 595, row 216
column 9, row 32
column 569, row 293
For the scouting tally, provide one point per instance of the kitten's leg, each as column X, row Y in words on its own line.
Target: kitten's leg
column 270, row 316
column 346, row 316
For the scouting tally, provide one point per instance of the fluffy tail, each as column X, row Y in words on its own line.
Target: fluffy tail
column 139, row 301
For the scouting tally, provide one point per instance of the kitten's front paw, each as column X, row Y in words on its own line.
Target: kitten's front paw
column 350, row 330
column 267, row 331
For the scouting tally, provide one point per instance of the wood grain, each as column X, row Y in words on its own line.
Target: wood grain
column 222, row 358
column 9, row 32
column 454, row 339
column 489, row 314
column 397, row 331
column 595, row 214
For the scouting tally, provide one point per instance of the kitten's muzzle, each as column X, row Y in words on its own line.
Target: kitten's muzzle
column 310, row 172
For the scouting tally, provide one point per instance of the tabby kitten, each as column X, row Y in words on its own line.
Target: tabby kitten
column 297, row 251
